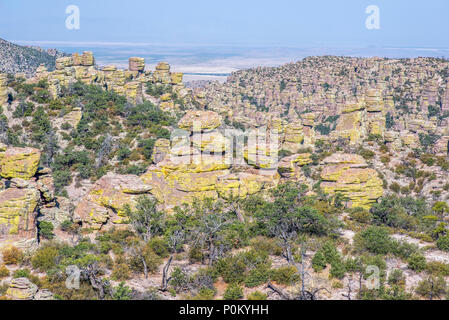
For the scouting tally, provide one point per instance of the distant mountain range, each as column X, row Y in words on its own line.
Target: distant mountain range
column 15, row 58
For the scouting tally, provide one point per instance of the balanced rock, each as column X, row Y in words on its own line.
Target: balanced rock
column 136, row 64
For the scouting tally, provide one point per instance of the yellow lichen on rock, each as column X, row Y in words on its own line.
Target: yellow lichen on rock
column 196, row 121
column 348, row 175
column 20, row 163
column 108, row 198
column 17, row 211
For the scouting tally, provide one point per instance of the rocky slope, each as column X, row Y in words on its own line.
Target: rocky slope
column 20, row 59
column 362, row 142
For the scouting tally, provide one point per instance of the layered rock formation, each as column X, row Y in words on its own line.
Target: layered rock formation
column 125, row 82
column 24, row 289
column 348, row 175
column 348, row 98
column 106, row 201
column 24, row 188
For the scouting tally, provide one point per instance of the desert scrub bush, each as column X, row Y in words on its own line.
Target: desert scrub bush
column 45, row 258
column 360, row 215
column 121, row 270
column 287, row 275
column 374, row 239
column 443, row 243
column 266, row 245
column 251, row 267
column 159, row 246
column 12, row 256
column 437, row 268
column 257, row 295
column 4, row 272
column 417, row 262
column 205, row 294
column 319, row 261
column 46, row 230
column 233, row 292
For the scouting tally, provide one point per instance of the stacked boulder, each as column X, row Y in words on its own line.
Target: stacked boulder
column 23, row 189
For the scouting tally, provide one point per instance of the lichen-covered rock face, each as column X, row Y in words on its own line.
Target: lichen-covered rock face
column 160, row 150
column 136, row 64
column 289, row 167
column 293, row 137
column 124, row 82
column 21, row 289
column 105, row 202
column 197, row 121
column 17, row 212
column 349, row 175
column 24, row 289
column 19, row 162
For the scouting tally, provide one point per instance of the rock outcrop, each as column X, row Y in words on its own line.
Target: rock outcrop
column 349, row 175
column 105, row 203
column 24, row 289
column 24, row 190
column 19, row 162
column 125, row 82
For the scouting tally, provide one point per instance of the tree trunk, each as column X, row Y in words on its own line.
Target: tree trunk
column 145, row 267
column 165, row 277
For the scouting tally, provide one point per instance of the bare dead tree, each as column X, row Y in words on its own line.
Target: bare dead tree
column 348, row 295
column 175, row 239
column 106, row 147
column 91, row 272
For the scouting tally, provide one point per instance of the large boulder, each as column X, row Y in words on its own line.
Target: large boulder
column 105, row 203
column 349, row 175
column 19, row 162
column 21, row 289
column 18, row 212
column 195, row 120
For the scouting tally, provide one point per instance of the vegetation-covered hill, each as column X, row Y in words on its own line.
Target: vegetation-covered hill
column 15, row 58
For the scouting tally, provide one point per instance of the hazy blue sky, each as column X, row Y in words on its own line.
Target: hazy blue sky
column 326, row 23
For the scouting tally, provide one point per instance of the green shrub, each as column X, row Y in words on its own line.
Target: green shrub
column 319, row 261
column 287, row 275
column 22, row 273
column 256, row 277
column 233, row 292
column 46, row 230
column 417, row 262
column 257, row 295
column 338, row 269
column 443, row 243
column 45, row 258
column 121, row 272
column 375, row 239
